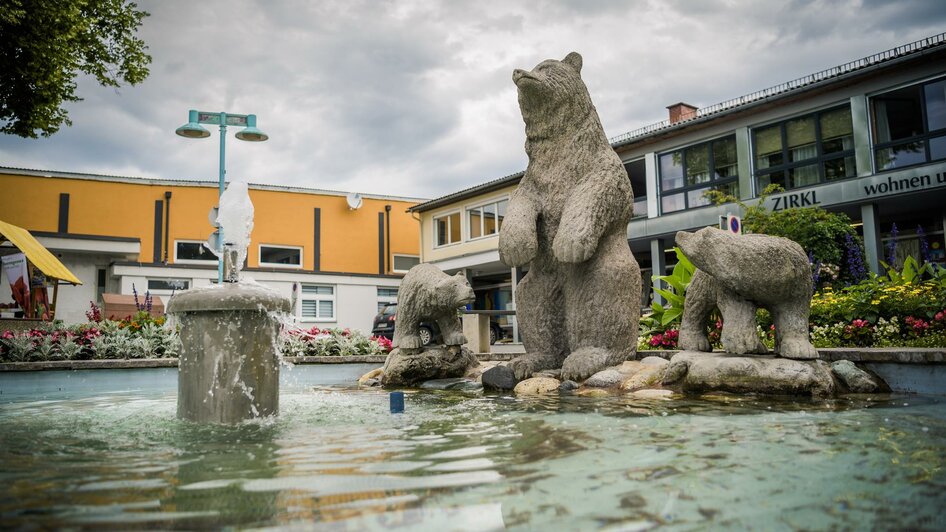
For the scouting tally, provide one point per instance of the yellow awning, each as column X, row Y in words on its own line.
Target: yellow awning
column 36, row 253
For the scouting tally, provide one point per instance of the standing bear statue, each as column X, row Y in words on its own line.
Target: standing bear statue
column 738, row 274
column 578, row 306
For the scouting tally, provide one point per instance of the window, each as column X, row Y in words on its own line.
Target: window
column 280, row 256
column 387, row 295
column 168, row 285
column 686, row 174
column 447, row 229
column 318, row 302
column 637, row 173
column 192, row 251
column 101, row 279
column 485, row 220
column 806, row 150
column 909, row 125
column 403, row 263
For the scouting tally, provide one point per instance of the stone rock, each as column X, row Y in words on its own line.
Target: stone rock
column 428, row 294
column 652, row 394
column 408, row 367
column 456, row 384
column 476, row 372
column 374, row 374
column 593, row 392
column 578, row 306
column 856, row 379
column 738, row 274
column 630, row 367
column 537, row 386
column 696, row 372
column 551, row 373
column 568, row 386
column 605, row 379
column 371, row 383
column 499, row 378
column 654, row 361
column 647, row 377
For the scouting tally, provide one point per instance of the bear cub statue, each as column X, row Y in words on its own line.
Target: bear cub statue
column 738, row 274
column 428, row 294
column 579, row 304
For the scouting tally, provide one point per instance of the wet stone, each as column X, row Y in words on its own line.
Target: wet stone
column 537, row 385
column 568, row 386
column 605, row 379
column 856, row 379
column 647, row 377
column 499, row 378
column 457, row 384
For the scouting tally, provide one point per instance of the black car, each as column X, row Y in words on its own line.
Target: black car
column 429, row 332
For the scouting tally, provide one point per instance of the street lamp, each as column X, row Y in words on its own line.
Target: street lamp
column 193, row 130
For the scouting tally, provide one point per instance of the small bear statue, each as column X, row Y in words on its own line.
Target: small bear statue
column 578, row 307
column 738, row 274
column 428, row 294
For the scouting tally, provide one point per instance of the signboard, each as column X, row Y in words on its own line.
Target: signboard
column 14, row 266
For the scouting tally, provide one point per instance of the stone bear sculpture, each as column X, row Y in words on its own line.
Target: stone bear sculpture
column 578, row 307
column 428, row 294
column 738, row 274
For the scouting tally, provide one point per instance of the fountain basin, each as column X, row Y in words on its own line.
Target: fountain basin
column 229, row 364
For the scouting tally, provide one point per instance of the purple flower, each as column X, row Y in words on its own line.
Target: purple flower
column 924, row 244
column 855, row 260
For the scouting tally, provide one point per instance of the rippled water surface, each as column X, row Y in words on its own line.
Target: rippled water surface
column 102, row 449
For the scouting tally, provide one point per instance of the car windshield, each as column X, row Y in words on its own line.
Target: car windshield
column 388, row 310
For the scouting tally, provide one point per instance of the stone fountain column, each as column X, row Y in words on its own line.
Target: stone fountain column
column 229, row 367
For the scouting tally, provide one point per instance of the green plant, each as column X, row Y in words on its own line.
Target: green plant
column 662, row 317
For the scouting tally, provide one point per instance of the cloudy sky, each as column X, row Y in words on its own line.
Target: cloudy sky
column 415, row 98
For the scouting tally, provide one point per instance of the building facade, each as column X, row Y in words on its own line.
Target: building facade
column 124, row 235
column 867, row 138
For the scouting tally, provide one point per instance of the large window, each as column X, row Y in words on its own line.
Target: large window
column 485, row 220
column 686, row 174
column 637, row 173
column 403, row 263
column 318, row 302
column 192, row 251
column 805, row 151
column 280, row 256
column 910, row 125
column 447, row 229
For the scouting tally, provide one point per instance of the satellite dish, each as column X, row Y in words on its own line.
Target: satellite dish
column 354, row 200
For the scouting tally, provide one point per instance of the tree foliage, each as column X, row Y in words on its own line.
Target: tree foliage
column 46, row 44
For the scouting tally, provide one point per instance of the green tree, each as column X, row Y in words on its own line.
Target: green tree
column 45, row 44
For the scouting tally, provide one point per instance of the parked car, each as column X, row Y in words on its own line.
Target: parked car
column 429, row 332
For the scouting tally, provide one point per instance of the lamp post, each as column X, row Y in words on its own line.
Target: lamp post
column 193, row 130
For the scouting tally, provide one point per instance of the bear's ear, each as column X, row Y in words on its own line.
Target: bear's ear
column 574, row 60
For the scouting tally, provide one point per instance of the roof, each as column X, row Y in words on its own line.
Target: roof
column 190, row 183
column 783, row 90
column 36, row 253
column 792, row 87
column 490, row 186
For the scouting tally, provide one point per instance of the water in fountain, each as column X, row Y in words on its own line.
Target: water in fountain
column 229, row 363
column 235, row 219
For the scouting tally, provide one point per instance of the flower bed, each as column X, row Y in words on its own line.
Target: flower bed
column 144, row 336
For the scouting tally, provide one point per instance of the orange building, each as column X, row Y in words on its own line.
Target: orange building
column 125, row 234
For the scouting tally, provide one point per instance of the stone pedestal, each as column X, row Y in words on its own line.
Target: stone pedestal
column 699, row 372
column 229, row 367
column 408, row 367
column 476, row 330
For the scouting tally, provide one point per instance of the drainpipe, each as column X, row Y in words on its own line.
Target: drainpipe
column 387, row 223
column 421, row 226
column 167, row 222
